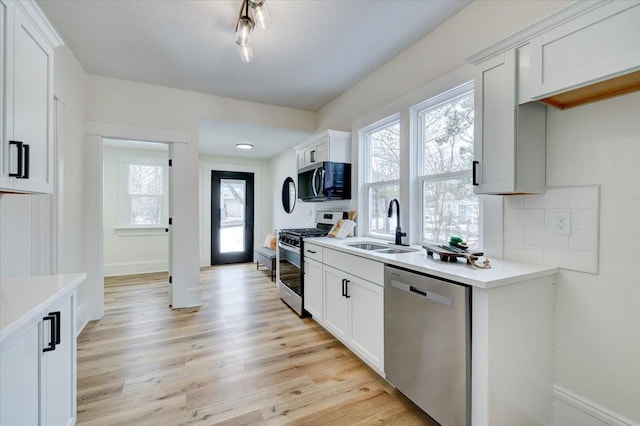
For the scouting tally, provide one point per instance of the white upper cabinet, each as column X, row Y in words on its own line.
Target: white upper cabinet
column 509, row 139
column 599, row 45
column 330, row 145
column 26, row 154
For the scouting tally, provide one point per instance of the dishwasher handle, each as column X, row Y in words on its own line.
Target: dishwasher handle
column 438, row 298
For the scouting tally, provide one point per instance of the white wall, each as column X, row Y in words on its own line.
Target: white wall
column 597, row 337
column 129, row 252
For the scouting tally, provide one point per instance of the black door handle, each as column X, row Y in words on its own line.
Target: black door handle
column 343, row 291
column 27, row 158
column 58, row 326
column 346, row 288
column 18, row 173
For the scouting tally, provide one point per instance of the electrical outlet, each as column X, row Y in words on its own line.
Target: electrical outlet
column 561, row 223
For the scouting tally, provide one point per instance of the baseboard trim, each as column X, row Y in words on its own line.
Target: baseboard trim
column 581, row 407
column 141, row 267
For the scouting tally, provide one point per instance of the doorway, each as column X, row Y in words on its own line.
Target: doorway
column 232, row 217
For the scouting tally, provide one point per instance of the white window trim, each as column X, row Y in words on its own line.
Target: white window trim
column 364, row 174
column 124, row 228
column 418, row 164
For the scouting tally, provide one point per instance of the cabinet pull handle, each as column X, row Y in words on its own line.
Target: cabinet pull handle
column 27, row 158
column 475, row 173
column 311, row 251
column 18, row 145
column 313, row 156
column 343, row 291
column 346, row 288
column 58, row 325
column 51, row 346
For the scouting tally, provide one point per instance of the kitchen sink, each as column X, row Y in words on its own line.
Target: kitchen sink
column 381, row 248
column 396, row 251
column 367, row 246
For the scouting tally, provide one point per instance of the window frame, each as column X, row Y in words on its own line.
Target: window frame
column 420, row 177
column 365, row 175
column 124, row 198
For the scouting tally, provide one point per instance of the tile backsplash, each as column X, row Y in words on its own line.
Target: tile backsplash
column 529, row 234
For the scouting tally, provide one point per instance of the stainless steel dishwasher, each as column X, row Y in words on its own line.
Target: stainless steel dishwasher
column 427, row 343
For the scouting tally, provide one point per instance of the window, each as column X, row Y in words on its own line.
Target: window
column 445, row 139
column 143, row 192
column 381, row 177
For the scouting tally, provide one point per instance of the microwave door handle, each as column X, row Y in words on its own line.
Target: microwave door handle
column 313, row 182
column 321, row 182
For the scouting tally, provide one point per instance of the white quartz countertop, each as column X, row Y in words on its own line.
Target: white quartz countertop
column 502, row 272
column 21, row 299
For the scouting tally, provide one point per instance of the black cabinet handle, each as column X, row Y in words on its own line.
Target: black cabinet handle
column 51, row 346
column 346, row 288
column 18, row 145
column 55, row 330
column 475, row 173
column 343, row 291
column 27, row 159
column 313, row 156
column 58, row 326
column 311, row 251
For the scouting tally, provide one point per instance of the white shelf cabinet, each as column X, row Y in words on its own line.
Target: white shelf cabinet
column 26, row 124
column 38, row 387
column 509, row 138
column 330, row 145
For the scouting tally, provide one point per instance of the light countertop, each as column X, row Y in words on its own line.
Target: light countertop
column 21, row 299
column 502, row 271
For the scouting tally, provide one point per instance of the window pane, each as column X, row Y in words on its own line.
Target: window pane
column 450, row 208
column 384, row 152
column 448, row 136
column 145, row 180
column 145, row 210
column 232, row 201
column 379, row 198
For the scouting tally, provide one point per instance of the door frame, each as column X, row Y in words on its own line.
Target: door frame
column 261, row 216
column 249, row 239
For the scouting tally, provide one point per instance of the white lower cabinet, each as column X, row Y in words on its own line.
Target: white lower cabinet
column 313, row 288
column 354, row 313
column 37, row 368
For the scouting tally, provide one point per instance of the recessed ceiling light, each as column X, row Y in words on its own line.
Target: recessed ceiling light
column 244, row 146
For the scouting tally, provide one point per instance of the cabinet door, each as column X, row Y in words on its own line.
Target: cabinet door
column 322, row 151
column 495, row 97
column 59, row 368
column 31, row 118
column 6, row 39
column 336, row 305
column 20, row 376
column 367, row 320
column 597, row 45
column 313, row 289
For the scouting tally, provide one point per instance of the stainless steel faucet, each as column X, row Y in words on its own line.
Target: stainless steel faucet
column 399, row 233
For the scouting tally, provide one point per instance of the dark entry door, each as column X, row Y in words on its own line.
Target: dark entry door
column 231, row 217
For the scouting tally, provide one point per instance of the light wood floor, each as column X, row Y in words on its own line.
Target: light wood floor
column 243, row 358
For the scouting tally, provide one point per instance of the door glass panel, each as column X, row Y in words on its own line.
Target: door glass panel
column 232, row 215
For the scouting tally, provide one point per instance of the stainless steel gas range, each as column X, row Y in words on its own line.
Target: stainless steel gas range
column 290, row 259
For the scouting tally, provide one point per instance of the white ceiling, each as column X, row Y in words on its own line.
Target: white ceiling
column 313, row 51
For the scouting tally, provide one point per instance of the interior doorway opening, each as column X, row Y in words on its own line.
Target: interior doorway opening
column 137, row 209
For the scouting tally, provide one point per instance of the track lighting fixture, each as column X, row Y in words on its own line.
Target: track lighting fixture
column 251, row 12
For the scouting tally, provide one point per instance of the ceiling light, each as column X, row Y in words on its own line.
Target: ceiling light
column 260, row 13
column 244, row 27
column 244, row 146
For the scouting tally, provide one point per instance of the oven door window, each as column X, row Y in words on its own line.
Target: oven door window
column 290, row 271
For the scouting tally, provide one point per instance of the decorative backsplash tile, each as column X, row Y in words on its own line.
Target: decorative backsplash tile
column 529, row 234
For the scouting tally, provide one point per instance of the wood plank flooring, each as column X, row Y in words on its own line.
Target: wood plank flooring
column 243, row 358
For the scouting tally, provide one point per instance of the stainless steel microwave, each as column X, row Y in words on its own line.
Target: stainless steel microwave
column 325, row 181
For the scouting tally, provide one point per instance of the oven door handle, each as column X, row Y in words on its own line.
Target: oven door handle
column 288, row 248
